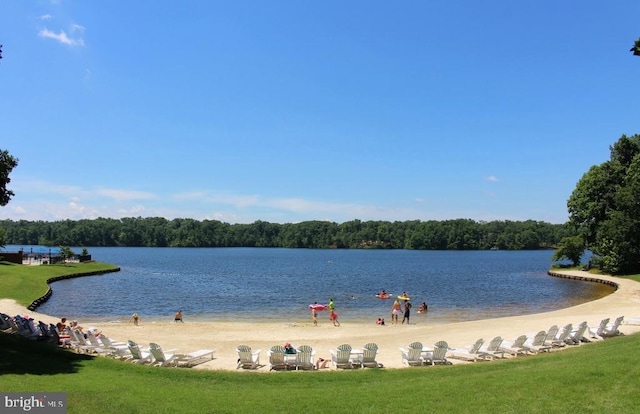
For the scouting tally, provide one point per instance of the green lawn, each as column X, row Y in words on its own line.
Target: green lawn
column 600, row 377
column 27, row 283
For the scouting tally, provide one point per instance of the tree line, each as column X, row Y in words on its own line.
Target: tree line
column 458, row 234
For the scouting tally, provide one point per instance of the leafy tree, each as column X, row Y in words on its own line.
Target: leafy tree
column 604, row 208
column 0, row 51
column 635, row 49
column 7, row 164
column 570, row 248
column 66, row 253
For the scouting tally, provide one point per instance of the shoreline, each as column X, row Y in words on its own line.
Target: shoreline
column 225, row 336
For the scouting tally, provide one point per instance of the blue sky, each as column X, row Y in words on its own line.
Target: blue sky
column 287, row 111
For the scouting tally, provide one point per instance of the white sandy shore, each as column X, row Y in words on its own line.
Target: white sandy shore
column 224, row 337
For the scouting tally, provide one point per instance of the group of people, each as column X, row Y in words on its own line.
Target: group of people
column 135, row 318
column 333, row 315
column 396, row 309
column 65, row 329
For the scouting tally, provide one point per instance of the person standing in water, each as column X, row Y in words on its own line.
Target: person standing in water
column 396, row 310
column 407, row 312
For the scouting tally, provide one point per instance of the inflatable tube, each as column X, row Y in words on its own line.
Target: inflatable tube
column 318, row 306
column 403, row 297
column 387, row 296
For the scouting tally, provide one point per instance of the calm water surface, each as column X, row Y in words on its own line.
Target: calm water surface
column 279, row 284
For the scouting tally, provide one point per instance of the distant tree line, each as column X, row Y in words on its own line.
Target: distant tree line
column 459, row 234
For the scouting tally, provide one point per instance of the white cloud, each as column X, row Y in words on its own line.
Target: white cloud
column 120, row 195
column 239, row 201
column 75, row 193
column 491, row 178
column 133, row 211
column 18, row 210
column 40, row 200
column 61, row 37
column 46, row 17
column 250, row 208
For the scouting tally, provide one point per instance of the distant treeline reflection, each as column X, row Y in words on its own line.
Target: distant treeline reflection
column 459, row 234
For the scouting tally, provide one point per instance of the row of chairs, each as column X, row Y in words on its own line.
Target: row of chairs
column 346, row 357
column 343, row 357
column 25, row 326
column 100, row 344
column 418, row 355
column 156, row 356
column 542, row 341
column 300, row 358
column 130, row 351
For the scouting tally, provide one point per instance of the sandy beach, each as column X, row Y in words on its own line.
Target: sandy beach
column 224, row 337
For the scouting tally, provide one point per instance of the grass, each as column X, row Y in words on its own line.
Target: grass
column 600, row 377
column 24, row 284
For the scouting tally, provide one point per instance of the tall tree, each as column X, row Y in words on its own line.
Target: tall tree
column 7, row 164
column 570, row 248
column 604, row 208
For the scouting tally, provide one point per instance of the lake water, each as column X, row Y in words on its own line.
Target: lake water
column 279, row 284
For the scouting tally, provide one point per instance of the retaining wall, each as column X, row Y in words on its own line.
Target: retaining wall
column 42, row 299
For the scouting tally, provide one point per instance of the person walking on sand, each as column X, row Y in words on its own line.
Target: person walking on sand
column 333, row 317
column 314, row 315
column 135, row 318
column 178, row 317
column 407, row 312
column 395, row 311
